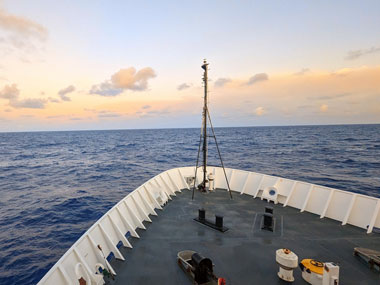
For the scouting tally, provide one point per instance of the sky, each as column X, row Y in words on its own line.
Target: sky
column 82, row 65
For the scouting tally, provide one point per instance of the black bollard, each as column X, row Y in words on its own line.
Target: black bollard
column 219, row 221
column 201, row 214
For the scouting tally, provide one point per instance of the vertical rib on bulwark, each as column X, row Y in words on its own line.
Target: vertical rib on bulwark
column 127, row 224
column 96, row 249
column 349, row 209
column 140, row 208
column 331, row 194
column 374, row 217
column 146, row 203
column 245, row 183
column 171, row 180
column 84, row 263
column 120, row 233
column 156, row 204
column 183, row 180
column 290, row 193
column 231, row 176
column 110, row 244
column 258, row 187
column 307, row 197
column 159, row 186
column 65, row 275
column 134, row 217
column 167, row 186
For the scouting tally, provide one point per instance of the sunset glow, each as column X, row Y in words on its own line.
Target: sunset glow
column 102, row 65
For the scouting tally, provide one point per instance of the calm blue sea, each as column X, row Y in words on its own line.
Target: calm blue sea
column 55, row 185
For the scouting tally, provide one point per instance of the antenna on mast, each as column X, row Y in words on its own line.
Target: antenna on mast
column 203, row 139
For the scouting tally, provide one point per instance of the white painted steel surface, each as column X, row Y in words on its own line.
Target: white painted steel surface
column 130, row 213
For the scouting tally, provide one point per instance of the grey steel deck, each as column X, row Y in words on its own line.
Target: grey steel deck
column 244, row 254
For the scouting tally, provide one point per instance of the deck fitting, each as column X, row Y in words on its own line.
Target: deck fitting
column 268, row 222
column 218, row 225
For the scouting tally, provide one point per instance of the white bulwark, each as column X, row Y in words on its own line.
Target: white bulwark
column 85, row 258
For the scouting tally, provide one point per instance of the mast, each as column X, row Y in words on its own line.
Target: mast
column 205, row 113
column 203, row 140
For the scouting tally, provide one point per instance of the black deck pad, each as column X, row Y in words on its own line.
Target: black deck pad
column 211, row 224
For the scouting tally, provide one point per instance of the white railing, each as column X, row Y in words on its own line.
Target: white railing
column 129, row 214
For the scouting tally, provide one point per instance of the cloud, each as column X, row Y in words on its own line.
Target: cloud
column 153, row 113
column 304, row 107
column 303, row 71
column 324, row 108
column 21, row 26
column 259, row 111
column 220, row 82
column 90, row 110
column 63, row 93
column 128, row 78
column 342, row 72
column 124, row 79
column 20, row 33
column 257, row 78
column 11, row 92
column 355, row 54
column 146, row 107
column 103, row 113
column 55, row 117
column 105, row 89
column 183, row 86
column 53, row 100
column 35, row 103
column 109, row 115
column 330, row 97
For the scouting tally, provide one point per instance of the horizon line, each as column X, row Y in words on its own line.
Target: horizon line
column 173, row 128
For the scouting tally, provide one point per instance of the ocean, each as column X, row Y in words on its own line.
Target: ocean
column 55, row 185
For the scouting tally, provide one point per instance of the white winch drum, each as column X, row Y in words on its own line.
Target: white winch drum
column 288, row 261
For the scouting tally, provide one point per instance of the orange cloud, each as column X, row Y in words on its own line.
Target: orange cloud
column 20, row 35
column 323, row 108
column 11, row 93
column 259, row 111
column 21, row 26
column 124, row 79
